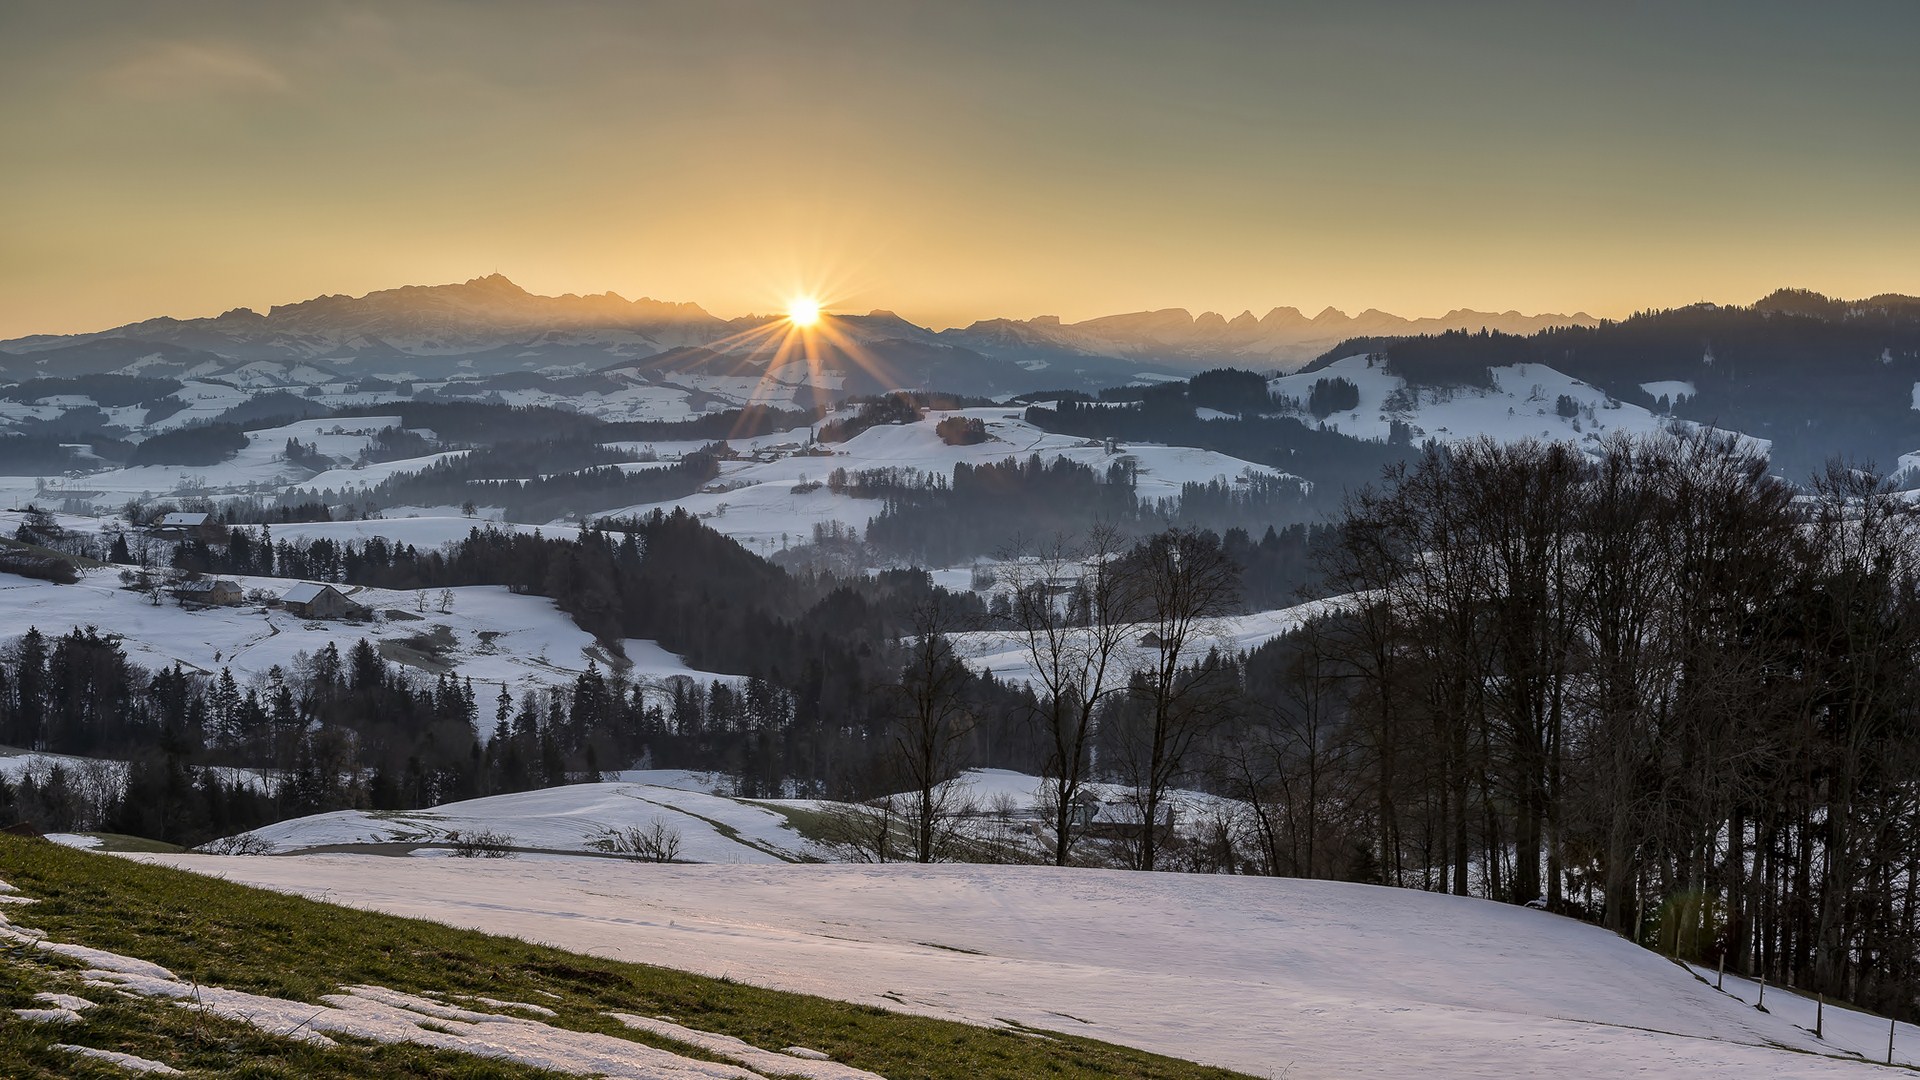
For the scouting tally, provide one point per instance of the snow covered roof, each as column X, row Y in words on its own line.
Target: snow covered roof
column 304, row 593
column 204, row 585
column 183, row 521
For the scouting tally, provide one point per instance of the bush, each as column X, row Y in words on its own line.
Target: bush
column 480, row 844
column 243, row 844
column 656, row 841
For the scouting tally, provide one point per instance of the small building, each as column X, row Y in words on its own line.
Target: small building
column 210, row 592
column 184, row 526
column 310, row 601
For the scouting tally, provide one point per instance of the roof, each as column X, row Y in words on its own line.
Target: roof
column 305, row 593
column 204, row 585
column 184, row 521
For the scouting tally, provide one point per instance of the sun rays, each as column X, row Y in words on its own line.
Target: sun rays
column 800, row 348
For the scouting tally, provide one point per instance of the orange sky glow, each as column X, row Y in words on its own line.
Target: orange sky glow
column 956, row 161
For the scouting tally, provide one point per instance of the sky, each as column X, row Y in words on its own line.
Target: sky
column 953, row 161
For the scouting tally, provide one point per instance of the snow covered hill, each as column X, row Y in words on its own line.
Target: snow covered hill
column 1002, row 808
column 1302, row 979
column 755, row 501
column 1524, row 402
column 488, row 634
column 576, row 818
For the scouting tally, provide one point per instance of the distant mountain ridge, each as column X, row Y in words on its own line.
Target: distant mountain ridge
column 479, row 318
column 491, row 326
column 1283, row 337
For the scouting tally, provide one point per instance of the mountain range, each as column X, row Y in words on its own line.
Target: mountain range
column 490, row 325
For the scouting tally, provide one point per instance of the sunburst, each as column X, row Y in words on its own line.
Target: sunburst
column 807, row 335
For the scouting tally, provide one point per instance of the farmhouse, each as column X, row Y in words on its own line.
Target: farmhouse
column 310, row 601
column 212, row 592
column 183, row 526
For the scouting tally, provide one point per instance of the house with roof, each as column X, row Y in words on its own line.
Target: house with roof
column 308, row 600
column 209, row 592
column 185, row 526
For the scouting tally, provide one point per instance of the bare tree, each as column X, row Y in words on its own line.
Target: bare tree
column 1184, row 582
column 1070, row 609
column 932, row 721
column 864, row 831
column 1291, row 765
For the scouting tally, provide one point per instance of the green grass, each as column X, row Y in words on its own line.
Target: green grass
column 814, row 825
column 219, row 933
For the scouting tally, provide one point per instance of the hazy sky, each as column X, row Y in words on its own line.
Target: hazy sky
column 956, row 160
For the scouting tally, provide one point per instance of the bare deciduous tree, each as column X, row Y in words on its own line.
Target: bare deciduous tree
column 932, row 720
column 1070, row 609
column 1182, row 582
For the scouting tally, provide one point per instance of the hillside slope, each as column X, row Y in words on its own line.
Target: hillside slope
column 112, row 966
column 1302, row 978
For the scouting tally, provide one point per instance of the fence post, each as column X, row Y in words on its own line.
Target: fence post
column 1762, row 1003
column 1722, row 976
column 1891, row 1024
column 1820, row 1018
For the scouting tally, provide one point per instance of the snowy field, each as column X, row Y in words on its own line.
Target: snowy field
column 1005, row 653
column 257, row 468
column 488, row 634
column 754, row 502
column 1522, row 404
column 711, row 828
column 712, row 825
column 1300, row 979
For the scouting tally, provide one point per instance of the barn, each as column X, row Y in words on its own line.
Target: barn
column 213, row 592
column 311, row 601
column 184, row 526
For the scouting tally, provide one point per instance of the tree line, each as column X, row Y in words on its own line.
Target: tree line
column 1658, row 688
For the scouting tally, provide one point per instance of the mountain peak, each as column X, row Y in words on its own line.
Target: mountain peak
column 497, row 282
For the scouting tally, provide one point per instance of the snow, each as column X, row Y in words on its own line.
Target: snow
column 58, row 1009
column 1313, row 979
column 1522, row 404
column 1676, row 390
column 305, row 592
column 754, row 502
column 129, row 1062
column 258, row 466
column 498, row 637
column 783, row 1063
column 389, row 1016
column 106, row 773
column 712, row 828
column 1004, row 652
column 372, row 474
column 75, row 840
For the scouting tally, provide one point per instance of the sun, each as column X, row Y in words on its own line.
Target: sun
column 803, row 311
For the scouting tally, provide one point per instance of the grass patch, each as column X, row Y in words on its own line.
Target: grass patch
column 814, row 825
column 219, row 933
